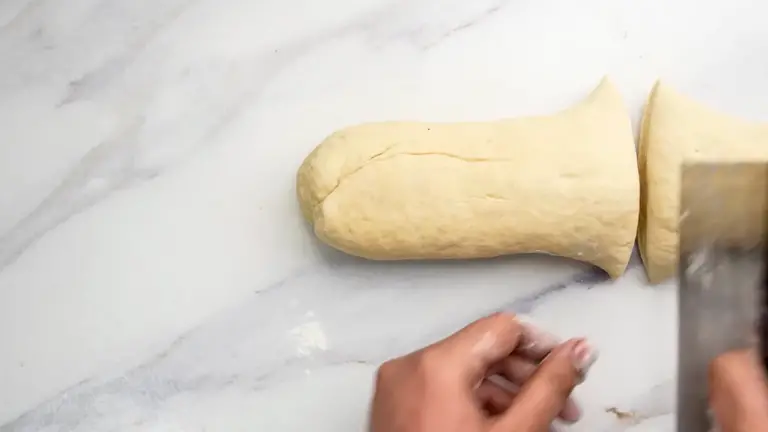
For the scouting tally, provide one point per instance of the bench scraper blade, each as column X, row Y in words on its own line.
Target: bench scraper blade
column 721, row 275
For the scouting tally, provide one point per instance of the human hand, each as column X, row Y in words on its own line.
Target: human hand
column 738, row 393
column 445, row 387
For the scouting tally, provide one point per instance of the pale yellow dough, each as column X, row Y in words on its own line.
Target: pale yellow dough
column 565, row 184
column 677, row 130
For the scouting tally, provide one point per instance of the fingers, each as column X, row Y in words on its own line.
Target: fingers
column 515, row 369
column 488, row 340
column 476, row 347
column 513, row 372
column 518, row 370
column 535, row 344
column 545, row 394
column 493, row 398
column 738, row 392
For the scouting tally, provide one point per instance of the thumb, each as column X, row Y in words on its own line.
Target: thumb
column 738, row 391
column 545, row 394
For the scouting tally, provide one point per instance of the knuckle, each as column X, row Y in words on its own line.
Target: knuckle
column 386, row 371
column 494, row 321
column 430, row 362
column 427, row 360
column 501, row 319
column 499, row 323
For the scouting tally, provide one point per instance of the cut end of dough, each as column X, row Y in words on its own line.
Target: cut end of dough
column 678, row 130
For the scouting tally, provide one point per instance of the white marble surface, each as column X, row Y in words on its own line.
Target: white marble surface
column 155, row 274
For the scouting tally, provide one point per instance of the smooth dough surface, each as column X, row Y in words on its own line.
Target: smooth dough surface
column 677, row 130
column 565, row 184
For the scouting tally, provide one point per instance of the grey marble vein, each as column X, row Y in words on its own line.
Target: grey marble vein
column 125, row 159
column 471, row 22
column 141, row 34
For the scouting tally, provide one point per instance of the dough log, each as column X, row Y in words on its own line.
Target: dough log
column 565, row 184
column 677, row 130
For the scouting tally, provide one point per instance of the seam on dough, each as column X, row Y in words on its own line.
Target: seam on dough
column 377, row 158
column 343, row 177
column 452, row 156
column 494, row 197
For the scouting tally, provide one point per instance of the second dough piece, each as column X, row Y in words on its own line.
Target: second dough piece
column 678, row 130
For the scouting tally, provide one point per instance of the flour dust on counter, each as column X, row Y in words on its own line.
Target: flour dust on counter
column 292, row 342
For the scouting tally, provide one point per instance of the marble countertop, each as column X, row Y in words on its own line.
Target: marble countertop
column 155, row 273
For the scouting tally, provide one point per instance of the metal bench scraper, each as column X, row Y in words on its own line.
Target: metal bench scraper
column 722, row 276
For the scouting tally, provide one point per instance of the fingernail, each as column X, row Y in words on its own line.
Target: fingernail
column 583, row 356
